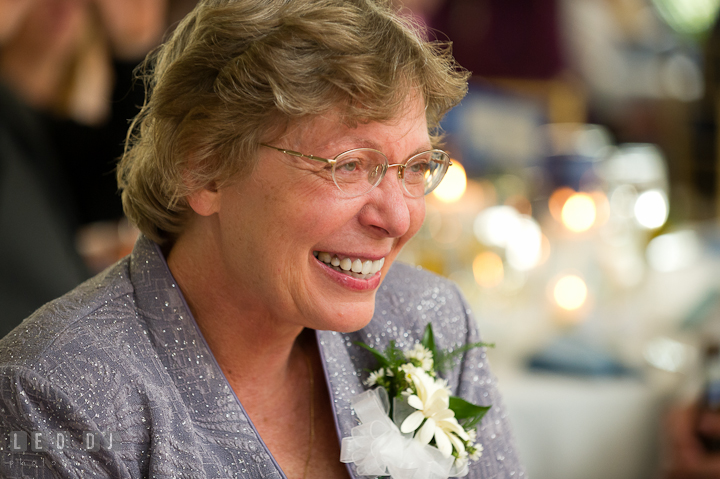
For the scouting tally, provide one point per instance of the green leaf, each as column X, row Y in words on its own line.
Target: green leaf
column 394, row 355
column 384, row 362
column 444, row 359
column 470, row 423
column 467, row 410
column 428, row 339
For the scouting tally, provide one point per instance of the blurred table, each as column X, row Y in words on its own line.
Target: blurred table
column 582, row 428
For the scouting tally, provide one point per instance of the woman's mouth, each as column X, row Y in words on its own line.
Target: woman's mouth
column 356, row 267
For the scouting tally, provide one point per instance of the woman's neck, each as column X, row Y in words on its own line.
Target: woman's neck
column 251, row 346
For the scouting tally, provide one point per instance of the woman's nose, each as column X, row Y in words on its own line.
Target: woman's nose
column 387, row 209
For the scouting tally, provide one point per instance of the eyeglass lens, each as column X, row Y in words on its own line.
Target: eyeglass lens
column 358, row 171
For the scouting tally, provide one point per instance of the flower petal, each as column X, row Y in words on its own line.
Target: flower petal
column 456, row 442
column 426, row 431
column 442, row 441
column 422, row 392
column 415, row 402
column 441, row 394
column 434, row 407
column 460, row 467
column 444, row 414
column 451, row 425
column 412, row 422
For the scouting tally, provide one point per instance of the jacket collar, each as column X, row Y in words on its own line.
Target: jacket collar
column 193, row 367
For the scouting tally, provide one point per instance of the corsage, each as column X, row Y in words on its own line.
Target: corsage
column 410, row 426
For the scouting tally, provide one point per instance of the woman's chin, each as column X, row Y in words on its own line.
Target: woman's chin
column 352, row 318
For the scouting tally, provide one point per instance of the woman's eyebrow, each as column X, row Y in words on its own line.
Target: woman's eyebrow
column 357, row 142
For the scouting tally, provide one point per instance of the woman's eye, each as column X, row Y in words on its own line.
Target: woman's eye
column 349, row 166
column 418, row 167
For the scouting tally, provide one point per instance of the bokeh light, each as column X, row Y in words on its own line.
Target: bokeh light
column 519, row 235
column 651, row 209
column 557, row 201
column 524, row 247
column 666, row 354
column 453, row 186
column 622, row 201
column 602, row 207
column 495, row 226
column 673, row 251
column 545, row 250
column 690, row 17
column 488, row 269
column 570, row 292
column 579, row 212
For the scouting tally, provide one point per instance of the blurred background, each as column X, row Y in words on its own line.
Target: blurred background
column 579, row 218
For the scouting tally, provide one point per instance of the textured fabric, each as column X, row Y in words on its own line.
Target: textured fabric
column 121, row 357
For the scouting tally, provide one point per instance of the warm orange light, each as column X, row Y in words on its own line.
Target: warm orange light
column 557, row 201
column 570, row 292
column 488, row 269
column 579, row 212
column 453, row 186
column 602, row 207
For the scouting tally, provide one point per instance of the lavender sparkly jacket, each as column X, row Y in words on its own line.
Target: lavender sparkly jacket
column 120, row 363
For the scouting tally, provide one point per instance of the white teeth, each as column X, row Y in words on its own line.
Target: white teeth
column 356, row 268
column 345, row 264
column 367, row 267
column 377, row 265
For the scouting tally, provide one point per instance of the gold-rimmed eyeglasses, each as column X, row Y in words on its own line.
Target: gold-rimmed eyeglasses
column 357, row 171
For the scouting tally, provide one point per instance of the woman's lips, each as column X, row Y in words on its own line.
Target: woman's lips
column 358, row 268
column 350, row 279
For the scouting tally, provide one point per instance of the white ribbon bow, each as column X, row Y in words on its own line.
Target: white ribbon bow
column 378, row 448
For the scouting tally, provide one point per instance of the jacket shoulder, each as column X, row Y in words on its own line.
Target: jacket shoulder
column 411, row 297
column 66, row 321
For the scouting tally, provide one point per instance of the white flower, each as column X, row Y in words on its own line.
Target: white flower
column 478, row 452
column 460, row 465
column 374, row 376
column 432, row 403
column 422, row 354
column 461, row 460
column 408, row 369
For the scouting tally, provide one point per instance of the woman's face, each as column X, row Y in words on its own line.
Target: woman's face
column 280, row 226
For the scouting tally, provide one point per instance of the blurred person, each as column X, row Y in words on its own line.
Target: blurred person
column 72, row 60
column 281, row 143
column 686, row 456
column 56, row 172
column 38, row 260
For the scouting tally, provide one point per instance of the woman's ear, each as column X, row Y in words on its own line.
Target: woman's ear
column 205, row 201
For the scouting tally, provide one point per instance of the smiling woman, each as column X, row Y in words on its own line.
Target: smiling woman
column 277, row 169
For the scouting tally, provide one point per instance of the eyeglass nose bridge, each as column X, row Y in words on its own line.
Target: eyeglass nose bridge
column 401, row 169
column 381, row 170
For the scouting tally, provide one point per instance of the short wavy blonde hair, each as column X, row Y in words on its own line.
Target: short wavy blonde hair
column 235, row 70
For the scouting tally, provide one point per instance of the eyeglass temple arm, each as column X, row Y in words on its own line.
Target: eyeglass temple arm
column 317, row 158
column 450, row 163
column 296, row 153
